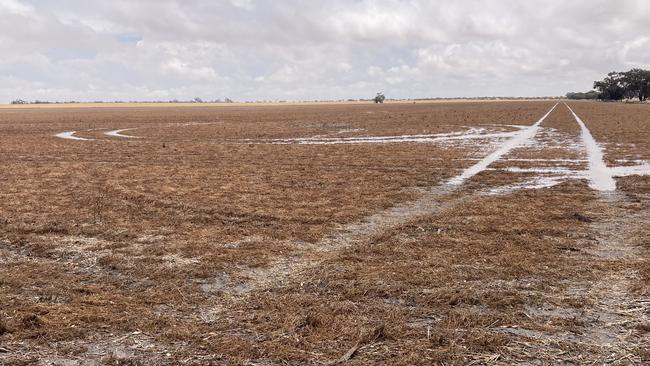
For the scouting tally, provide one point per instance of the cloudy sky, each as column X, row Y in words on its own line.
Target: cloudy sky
column 305, row 50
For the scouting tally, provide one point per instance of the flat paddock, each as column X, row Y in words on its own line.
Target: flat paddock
column 450, row 233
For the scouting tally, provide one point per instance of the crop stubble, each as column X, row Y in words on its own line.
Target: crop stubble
column 147, row 251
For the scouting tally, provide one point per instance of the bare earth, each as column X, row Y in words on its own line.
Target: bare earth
column 322, row 234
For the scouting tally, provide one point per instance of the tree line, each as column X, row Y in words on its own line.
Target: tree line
column 633, row 84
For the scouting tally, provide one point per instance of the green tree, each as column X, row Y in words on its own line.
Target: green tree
column 612, row 87
column 636, row 83
column 592, row 94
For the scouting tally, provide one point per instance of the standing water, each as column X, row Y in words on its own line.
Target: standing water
column 599, row 174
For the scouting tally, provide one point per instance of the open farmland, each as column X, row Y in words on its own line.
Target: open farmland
column 428, row 233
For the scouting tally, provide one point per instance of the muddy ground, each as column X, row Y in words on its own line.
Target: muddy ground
column 203, row 242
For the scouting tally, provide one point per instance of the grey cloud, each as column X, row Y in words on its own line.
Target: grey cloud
column 255, row 49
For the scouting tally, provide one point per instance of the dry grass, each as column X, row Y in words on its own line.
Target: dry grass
column 188, row 247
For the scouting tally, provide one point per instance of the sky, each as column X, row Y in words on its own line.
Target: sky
column 295, row 50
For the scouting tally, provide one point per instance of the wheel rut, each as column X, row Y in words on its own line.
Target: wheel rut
column 430, row 201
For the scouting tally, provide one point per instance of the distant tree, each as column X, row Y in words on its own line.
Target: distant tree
column 612, row 87
column 379, row 98
column 592, row 94
column 19, row 101
column 632, row 84
column 636, row 83
column 198, row 100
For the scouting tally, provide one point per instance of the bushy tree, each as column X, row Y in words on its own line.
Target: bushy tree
column 592, row 94
column 629, row 84
column 636, row 83
column 610, row 88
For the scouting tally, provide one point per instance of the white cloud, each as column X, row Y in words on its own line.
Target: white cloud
column 246, row 4
column 293, row 49
column 16, row 7
column 188, row 71
column 636, row 51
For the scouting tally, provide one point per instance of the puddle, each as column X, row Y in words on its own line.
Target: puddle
column 572, row 161
column 534, row 183
column 600, row 175
column 118, row 133
column 624, row 171
column 69, row 135
column 350, row 130
column 471, row 134
column 186, row 124
column 519, row 138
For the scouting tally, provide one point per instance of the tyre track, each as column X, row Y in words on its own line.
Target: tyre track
column 430, row 201
column 519, row 138
column 600, row 175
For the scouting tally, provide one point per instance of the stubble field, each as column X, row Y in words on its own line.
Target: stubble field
column 397, row 234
